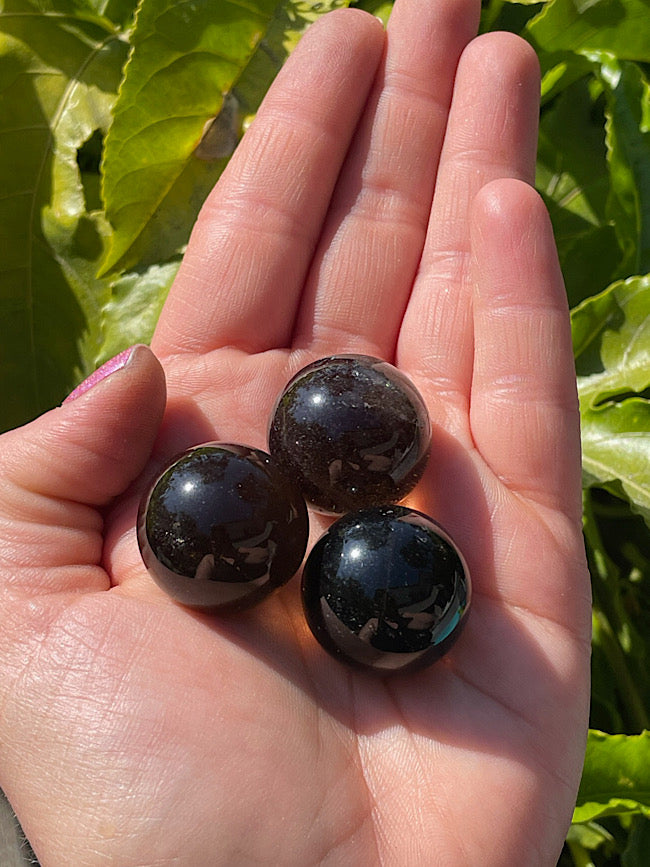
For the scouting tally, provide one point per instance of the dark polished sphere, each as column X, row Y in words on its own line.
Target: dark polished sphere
column 353, row 431
column 222, row 528
column 386, row 589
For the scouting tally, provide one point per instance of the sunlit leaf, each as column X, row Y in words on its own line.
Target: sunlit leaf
column 616, row 776
column 559, row 70
column 611, row 335
column 186, row 60
column 285, row 29
column 616, row 448
column 58, row 79
column 612, row 346
column 619, row 27
column 589, row 836
column 131, row 313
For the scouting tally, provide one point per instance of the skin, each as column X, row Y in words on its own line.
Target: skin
column 380, row 203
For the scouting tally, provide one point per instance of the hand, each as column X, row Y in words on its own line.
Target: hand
column 380, row 203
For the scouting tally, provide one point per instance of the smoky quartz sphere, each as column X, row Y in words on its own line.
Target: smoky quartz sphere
column 353, row 431
column 221, row 528
column 386, row 589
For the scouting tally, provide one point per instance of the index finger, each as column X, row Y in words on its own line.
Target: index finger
column 245, row 265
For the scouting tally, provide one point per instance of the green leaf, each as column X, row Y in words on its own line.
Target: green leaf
column 136, row 300
column 616, row 449
column 58, row 83
column 589, row 836
column 110, row 14
column 611, row 339
column 590, row 257
column 510, row 15
column 616, row 776
column 611, row 333
column 131, row 313
column 184, row 58
column 120, row 12
column 284, row 31
column 572, row 166
column 620, row 27
column 179, row 113
column 628, row 143
column 560, row 69
column 573, row 177
column 58, row 79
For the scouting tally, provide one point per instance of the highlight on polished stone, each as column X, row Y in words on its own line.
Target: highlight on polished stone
column 386, row 589
column 221, row 527
column 353, row 431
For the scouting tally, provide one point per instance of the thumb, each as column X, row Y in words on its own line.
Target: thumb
column 94, row 445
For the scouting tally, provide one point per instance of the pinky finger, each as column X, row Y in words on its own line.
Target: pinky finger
column 524, row 408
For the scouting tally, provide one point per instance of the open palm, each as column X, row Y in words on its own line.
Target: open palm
column 380, row 203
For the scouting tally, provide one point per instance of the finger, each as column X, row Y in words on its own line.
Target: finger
column 492, row 133
column 524, row 407
column 56, row 471
column 245, row 265
column 375, row 229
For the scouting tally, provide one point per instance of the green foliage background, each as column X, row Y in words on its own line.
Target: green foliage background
column 117, row 117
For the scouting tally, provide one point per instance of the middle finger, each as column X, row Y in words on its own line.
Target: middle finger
column 491, row 133
column 364, row 265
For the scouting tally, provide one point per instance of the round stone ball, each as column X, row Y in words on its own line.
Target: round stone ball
column 386, row 589
column 221, row 527
column 352, row 431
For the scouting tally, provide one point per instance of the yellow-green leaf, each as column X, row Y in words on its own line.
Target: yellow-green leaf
column 185, row 58
column 58, row 78
column 611, row 334
column 616, row 776
column 619, row 27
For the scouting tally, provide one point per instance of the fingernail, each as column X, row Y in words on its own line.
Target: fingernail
column 111, row 366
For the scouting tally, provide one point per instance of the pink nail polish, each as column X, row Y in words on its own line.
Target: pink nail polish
column 111, row 366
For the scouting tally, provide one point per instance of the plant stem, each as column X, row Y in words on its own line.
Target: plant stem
column 626, row 686
column 581, row 857
column 607, row 619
